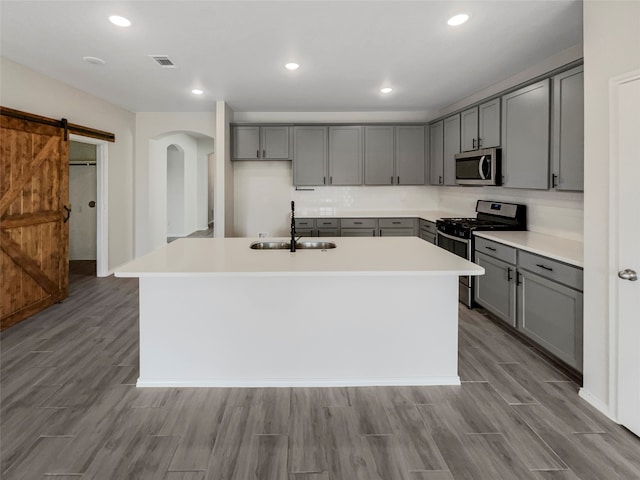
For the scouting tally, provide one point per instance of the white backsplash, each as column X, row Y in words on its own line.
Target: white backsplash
column 548, row 212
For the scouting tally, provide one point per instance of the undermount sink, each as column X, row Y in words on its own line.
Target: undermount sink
column 299, row 245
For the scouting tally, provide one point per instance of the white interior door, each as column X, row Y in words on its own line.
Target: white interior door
column 83, row 221
column 626, row 155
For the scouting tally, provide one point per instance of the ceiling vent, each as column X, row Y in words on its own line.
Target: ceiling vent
column 163, row 60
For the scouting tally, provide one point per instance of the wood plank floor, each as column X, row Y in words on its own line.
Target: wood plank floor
column 70, row 410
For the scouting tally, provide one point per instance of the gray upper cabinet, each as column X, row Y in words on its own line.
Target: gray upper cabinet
column 246, row 143
column 525, row 137
column 345, row 155
column 260, row 142
column 489, row 124
column 410, row 155
column 451, row 148
column 568, row 130
column 310, row 155
column 480, row 126
column 436, row 153
column 469, row 129
column 379, row 155
column 275, row 143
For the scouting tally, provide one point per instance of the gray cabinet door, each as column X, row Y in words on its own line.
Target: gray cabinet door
column 568, row 130
column 310, row 155
column 551, row 314
column 469, row 129
column 496, row 289
column 489, row 124
column 451, row 148
column 246, row 143
column 436, row 153
column 379, row 155
column 275, row 143
column 410, row 155
column 345, row 155
column 525, row 137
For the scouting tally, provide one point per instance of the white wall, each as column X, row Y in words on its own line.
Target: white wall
column 175, row 192
column 150, row 126
column 611, row 48
column 24, row 89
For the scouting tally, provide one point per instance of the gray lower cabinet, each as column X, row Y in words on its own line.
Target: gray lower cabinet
column 451, row 148
column 317, row 227
column 539, row 296
column 253, row 142
column 551, row 314
column 310, row 155
column 525, row 137
column 436, row 153
column 345, row 155
column 397, row 227
column 427, row 231
column 496, row 289
column 358, row 227
column 568, row 130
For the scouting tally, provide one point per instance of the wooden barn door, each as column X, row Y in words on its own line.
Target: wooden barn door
column 34, row 192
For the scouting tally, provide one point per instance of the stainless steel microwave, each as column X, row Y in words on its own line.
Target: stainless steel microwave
column 480, row 167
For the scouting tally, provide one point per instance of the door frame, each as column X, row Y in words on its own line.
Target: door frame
column 614, row 234
column 102, row 190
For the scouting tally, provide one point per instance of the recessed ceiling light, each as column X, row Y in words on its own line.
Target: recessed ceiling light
column 120, row 21
column 94, row 60
column 386, row 90
column 197, row 91
column 292, row 66
column 458, row 19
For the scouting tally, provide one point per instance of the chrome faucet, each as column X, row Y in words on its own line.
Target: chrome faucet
column 292, row 247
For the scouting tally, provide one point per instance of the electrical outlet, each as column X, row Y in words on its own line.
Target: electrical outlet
column 263, row 234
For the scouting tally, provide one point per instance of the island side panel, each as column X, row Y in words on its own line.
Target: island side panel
column 259, row 331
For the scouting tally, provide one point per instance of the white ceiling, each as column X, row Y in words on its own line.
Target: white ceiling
column 236, row 50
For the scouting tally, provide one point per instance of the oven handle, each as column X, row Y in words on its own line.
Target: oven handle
column 481, row 167
column 458, row 239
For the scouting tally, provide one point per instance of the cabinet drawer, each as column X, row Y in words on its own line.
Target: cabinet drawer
column 305, row 223
column 358, row 223
column 396, row 223
column 397, row 232
column 428, row 226
column 327, row 232
column 551, row 269
column 357, row 232
column 496, row 250
column 327, row 222
column 427, row 236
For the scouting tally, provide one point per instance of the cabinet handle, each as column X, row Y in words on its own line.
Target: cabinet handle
column 264, row 154
column 554, row 180
column 398, row 180
column 518, row 278
column 491, row 248
column 357, row 223
column 440, row 180
column 544, row 267
column 392, row 180
column 396, row 223
column 474, row 144
column 479, row 142
column 257, row 153
column 324, row 180
column 326, row 223
column 330, row 180
column 509, row 278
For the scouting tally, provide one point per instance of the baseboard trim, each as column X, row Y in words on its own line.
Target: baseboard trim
column 595, row 403
column 295, row 382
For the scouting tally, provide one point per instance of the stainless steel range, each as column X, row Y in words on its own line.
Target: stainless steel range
column 456, row 234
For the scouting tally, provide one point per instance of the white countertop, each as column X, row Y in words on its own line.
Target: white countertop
column 191, row 257
column 557, row 248
column 431, row 215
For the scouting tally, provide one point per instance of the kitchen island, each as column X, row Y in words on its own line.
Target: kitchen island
column 374, row 311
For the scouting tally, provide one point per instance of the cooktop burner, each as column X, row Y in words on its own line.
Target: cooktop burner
column 491, row 216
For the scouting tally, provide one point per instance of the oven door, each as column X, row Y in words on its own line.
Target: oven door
column 456, row 245
column 462, row 248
